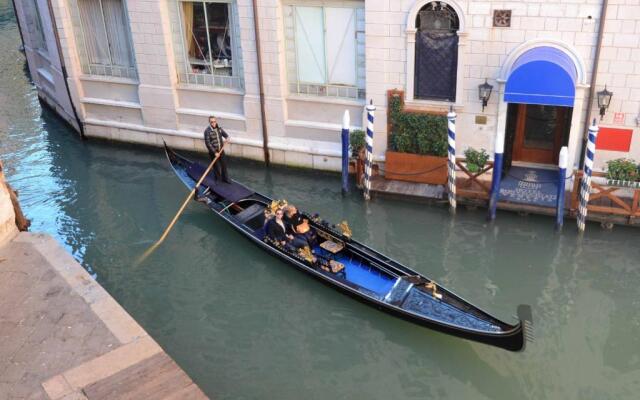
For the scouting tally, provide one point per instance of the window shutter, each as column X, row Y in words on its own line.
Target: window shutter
column 94, row 32
column 309, row 28
column 115, row 22
column 436, row 65
column 341, row 45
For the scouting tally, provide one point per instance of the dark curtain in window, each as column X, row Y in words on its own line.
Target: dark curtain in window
column 436, row 65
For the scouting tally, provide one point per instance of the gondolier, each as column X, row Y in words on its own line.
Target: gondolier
column 214, row 136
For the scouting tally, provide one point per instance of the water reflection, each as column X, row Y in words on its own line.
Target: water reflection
column 245, row 325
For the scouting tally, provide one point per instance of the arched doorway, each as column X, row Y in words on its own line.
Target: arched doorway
column 540, row 90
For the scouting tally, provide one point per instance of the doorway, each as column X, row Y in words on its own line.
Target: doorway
column 537, row 132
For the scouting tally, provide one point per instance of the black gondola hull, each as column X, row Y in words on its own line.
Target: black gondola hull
column 511, row 337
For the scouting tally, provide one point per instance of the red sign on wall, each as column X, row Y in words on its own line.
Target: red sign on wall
column 618, row 118
column 614, row 139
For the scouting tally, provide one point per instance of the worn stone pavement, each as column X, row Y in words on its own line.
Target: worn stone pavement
column 62, row 336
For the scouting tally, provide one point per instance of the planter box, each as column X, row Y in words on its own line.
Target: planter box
column 416, row 168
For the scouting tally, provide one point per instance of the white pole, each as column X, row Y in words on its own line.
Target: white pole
column 368, row 162
column 451, row 184
column 585, row 185
column 563, row 161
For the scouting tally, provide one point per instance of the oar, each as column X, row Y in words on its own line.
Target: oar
column 184, row 205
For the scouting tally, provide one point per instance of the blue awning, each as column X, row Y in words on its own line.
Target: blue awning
column 542, row 75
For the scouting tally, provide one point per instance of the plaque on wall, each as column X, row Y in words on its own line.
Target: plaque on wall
column 501, row 18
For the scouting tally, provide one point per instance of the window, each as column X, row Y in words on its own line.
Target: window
column 210, row 44
column 106, row 37
column 436, row 53
column 325, row 51
column 34, row 25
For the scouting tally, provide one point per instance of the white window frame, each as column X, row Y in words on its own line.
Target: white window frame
column 411, row 31
column 326, row 89
column 110, row 70
column 235, row 81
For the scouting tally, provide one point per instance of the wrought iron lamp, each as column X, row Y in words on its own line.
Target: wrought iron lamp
column 604, row 99
column 484, row 93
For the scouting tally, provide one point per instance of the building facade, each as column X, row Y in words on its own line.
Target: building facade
column 151, row 70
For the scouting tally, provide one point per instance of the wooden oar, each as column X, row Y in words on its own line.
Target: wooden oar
column 184, row 205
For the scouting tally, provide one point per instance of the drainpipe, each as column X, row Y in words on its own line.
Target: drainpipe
column 263, row 114
column 65, row 76
column 594, row 75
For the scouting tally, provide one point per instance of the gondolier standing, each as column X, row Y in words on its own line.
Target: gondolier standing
column 213, row 139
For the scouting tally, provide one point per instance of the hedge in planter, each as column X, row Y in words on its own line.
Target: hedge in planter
column 417, row 133
column 418, row 144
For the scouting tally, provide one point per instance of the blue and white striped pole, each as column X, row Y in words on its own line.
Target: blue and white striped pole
column 562, row 176
column 585, row 185
column 368, row 162
column 451, row 185
column 345, row 151
column 497, row 174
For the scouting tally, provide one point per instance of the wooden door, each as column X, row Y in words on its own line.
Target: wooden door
column 539, row 133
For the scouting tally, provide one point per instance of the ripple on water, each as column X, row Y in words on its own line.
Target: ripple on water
column 245, row 325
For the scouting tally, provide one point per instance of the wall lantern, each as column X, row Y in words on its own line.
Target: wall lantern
column 484, row 93
column 604, row 99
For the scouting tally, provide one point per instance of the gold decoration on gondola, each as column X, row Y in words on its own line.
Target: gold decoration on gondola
column 306, row 253
column 434, row 290
column 344, row 227
column 270, row 211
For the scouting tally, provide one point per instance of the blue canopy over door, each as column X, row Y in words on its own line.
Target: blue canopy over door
column 542, row 75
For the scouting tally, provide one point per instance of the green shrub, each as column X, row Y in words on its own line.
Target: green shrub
column 622, row 169
column 356, row 141
column 417, row 133
column 476, row 160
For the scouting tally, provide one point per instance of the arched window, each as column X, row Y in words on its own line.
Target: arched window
column 436, row 52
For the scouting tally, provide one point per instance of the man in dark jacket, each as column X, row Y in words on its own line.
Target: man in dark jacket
column 214, row 136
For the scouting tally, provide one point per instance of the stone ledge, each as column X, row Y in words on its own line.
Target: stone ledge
column 105, row 366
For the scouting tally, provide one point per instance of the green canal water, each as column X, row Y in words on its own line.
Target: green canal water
column 247, row 326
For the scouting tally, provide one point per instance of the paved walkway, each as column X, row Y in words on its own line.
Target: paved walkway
column 62, row 336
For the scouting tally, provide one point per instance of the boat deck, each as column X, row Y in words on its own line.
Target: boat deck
column 361, row 274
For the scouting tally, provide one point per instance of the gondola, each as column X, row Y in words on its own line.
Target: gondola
column 353, row 268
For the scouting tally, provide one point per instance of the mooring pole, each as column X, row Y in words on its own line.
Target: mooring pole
column 585, row 185
column 345, row 151
column 368, row 162
column 451, row 164
column 562, row 176
column 497, row 175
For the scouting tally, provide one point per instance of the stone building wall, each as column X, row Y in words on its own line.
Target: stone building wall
column 304, row 130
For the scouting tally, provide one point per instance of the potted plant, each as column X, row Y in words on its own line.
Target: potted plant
column 356, row 142
column 418, row 145
column 476, row 159
column 623, row 172
column 357, row 149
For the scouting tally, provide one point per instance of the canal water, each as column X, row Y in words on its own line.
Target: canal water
column 246, row 326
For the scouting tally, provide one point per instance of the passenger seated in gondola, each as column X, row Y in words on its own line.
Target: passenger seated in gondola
column 298, row 226
column 276, row 230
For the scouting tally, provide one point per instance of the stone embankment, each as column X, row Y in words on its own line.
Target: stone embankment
column 11, row 216
column 62, row 336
